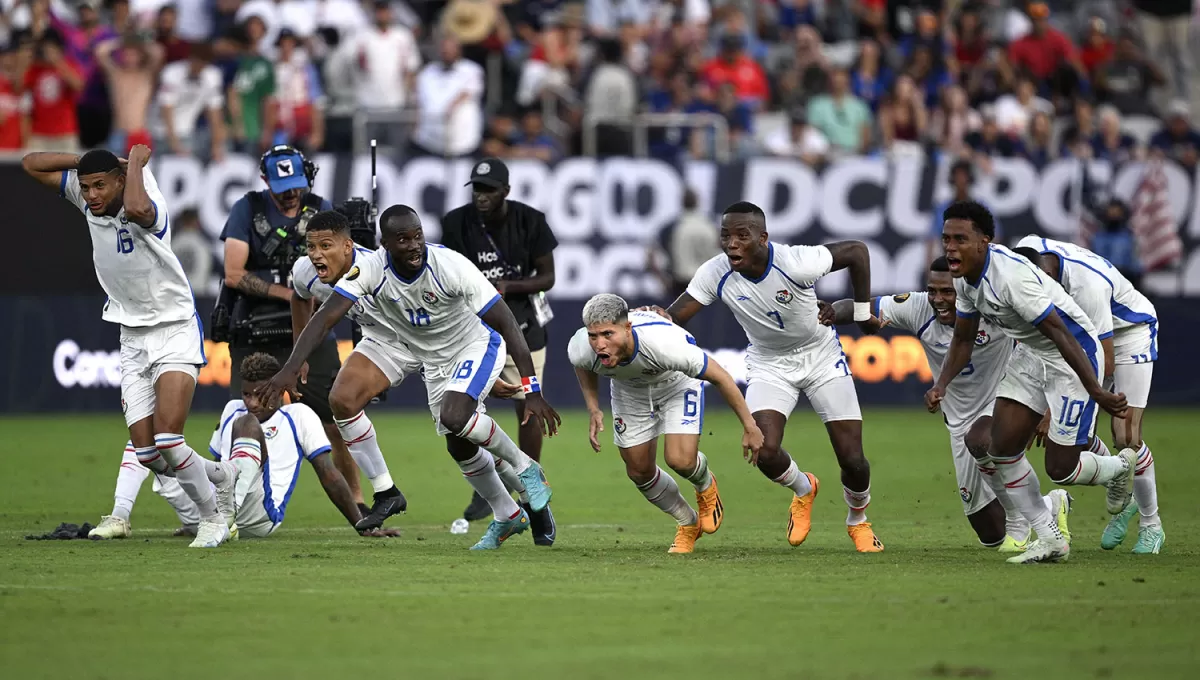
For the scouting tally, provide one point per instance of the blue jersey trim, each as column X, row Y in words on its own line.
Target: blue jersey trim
column 1128, row 315
column 654, row 323
column 486, row 365
column 276, row 513
column 704, row 368
column 424, row 266
column 963, row 315
column 721, row 283
column 200, row 327
column 1045, row 313
column 1106, row 336
column 770, row 265
column 926, row 325
column 345, row 293
column 876, row 309
column 311, row 281
column 314, row 454
column 62, row 184
column 636, row 347
column 987, row 262
column 488, row 305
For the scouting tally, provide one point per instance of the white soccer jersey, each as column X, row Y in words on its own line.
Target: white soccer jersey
column 972, row 392
column 1099, row 288
column 663, row 354
column 135, row 265
column 364, row 312
column 779, row 310
column 436, row 313
column 292, row 434
column 1014, row 295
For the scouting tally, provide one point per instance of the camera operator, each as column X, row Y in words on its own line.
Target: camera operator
column 264, row 236
column 513, row 246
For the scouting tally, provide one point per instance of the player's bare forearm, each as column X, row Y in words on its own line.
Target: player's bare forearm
column 336, row 487
column 302, row 313
column 589, row 385
column 47, row 166
column 727, row 386
column 253, row 284
column 853, row 255
column 540, row 282
column 315, row 331
column 138, row 207
column 1053, row 328
column 1110, row 358
column 961, row 346
column 843, row 314
column 500, row 317
column 683, row 309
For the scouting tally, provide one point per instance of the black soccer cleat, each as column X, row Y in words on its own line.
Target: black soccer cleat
column 542, row 525
column 477, row 509
column 387, row 503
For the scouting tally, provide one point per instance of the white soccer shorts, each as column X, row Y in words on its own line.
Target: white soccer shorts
column 252, row 518
column 642, row 413
column 147, row 353
column 473, row 371
column 1042, row 385
column 823, row 375
column 393, row 360
column 1133, row 380
column 1135, row 350
column 973, row 489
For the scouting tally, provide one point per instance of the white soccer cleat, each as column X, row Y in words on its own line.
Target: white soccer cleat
column 1120, row 489
column 210, row 534
column 111, row 527
column 225, row 504
column 1055, row 550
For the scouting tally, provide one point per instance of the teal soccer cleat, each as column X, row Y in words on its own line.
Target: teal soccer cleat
column 498, row 532
column 536, row 486
column 1118, row 526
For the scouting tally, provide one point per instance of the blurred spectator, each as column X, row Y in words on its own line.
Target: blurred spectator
column 843, row 118
column 501, row 134
column 11, row 133
column 799, row 140
column 191, row 94
column 1097, row 47
column 340, row 90
column 951, row 122
column 739, row 119
column 1039, row 148
column 251, row 97
column 533, row 141
column 1014, row 111
column 555, row 56
column 929, row 73
column 1166, row 30
column 1109, row 143
column 928, row 34
column 732, row 22
column 971, row 40
column 692, row 242
column 1115, row 241
column 611, row 99
column 301, row 117
column 193, row 249
column 335, row 22
column 671, row 141
column 92, row 107
column 450, row 99
column 131, row 65
column 809, row 66
column 636, row 53
column 871, row 78
column 793, row 13
column 903, row 118
column 1178, row 140
column 267, row 12
column 1077, row 136
column 195, row 20
column 1046, row 53
column 989, row 141
column 989, row 79
column 53, row 82
column 732, row 65
column 120, row 16
column 962, row 181
column 872, row 20
column 166, row 33
column 387, row 62
column 1125, row 80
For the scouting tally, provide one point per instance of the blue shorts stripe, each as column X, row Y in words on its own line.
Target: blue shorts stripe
column 1085, row 423
column 486, row 365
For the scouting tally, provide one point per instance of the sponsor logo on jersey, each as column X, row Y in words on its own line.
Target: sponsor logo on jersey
column 783, row 296
column 649, row 371
column 619, row 425
column 982, row 338
column 688, row 421
column 429, row 298
column 900, row 298
column 966, row 495
column 353, row 273
column 271, row 431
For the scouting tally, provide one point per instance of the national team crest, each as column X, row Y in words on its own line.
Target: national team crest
column 271, row 431
column 619, row 425
column 429, row 298
column 982, row 338
column 783, row 296
column 966, row 495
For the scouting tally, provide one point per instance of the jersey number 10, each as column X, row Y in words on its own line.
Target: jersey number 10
column 418, row 317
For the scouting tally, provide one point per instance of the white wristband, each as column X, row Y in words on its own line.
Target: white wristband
column 862, row 311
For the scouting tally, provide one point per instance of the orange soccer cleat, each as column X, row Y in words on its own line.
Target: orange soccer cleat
column 865, row 540
column 800, row 519
column 685, row 539
column 711, row 510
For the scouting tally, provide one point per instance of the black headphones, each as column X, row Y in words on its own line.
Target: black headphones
column 310, row 168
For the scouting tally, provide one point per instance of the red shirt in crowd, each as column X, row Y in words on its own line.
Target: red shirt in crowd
column 1094, row 55
column 10, row 116
column 749, row 81
column 1041, row 55
column 53, row 110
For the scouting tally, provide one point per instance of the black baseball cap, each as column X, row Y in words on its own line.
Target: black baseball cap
column 490, row 172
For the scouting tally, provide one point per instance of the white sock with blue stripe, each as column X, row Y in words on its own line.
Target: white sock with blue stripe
column 359, row 434
column 192, row 477
column 484, row 431
column 130, row 476
column 246, row 456
column 1145, row 490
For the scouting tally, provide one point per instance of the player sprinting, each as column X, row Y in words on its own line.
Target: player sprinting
column 657, row 374
column 1055, row 366
column 1130, row 323
column 967, row 407
column 448, row 323
column 162, row 342
column 769, row 288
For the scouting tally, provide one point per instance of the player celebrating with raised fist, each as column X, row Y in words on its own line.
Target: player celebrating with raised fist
column 657, row 372
column 769, row 289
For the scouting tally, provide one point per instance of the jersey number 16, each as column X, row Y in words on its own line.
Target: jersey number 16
column 124, row 241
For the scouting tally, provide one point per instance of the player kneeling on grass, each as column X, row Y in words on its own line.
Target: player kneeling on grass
column 656, row 371
column 967, row 406
column 262, row 444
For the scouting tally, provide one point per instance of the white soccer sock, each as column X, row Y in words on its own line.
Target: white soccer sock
column 484, row 431
column 246, row 455
column 192, row 477
column 857, row 501
column 511, row 481
column 359, row 434
column 663, row 492
column 173, row 493
column 1022, row 485
column 1145, row 490
column 700, row 477
column 1098, row 447
column 130, row 476
column 151, row 458
column 795, row 480
column 1093, row 470
column 1014, row 524
column 480, row 473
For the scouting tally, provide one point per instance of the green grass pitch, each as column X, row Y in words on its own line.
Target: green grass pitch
column 317, row 601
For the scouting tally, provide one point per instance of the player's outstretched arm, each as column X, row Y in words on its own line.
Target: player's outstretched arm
column 138, row 207
column 841, row 313
column 302, row 313
column 1110, row 359
column 853, row 255
column 335, row 487
column 966, row 327
column 589, row 385
column 682, row 309
column 752, row 437
column 1052, row 327
column 48, row 167
column 310, row 338
column 500, row 317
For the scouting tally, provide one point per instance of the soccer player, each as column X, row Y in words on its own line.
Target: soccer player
column 1055, row 366
column 967, row 408
column 448, row 322
column 657, row 390
column 130, row 476
column 1130, row 323
column 769, row 288
column 162, row 342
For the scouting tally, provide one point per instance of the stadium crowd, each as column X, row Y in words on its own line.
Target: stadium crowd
column 545, row 78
